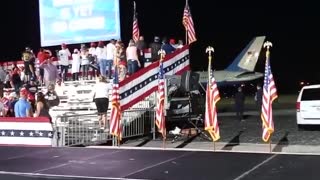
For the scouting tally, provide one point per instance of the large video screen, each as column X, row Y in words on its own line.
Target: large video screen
column 78, row 21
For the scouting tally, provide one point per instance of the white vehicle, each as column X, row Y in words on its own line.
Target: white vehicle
column 308, row 106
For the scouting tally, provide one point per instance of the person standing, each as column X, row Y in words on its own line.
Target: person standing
column 64, row 55
column 111, row 50
column 258, row 96
column 51, row 74
column 239, row 103
column 84, row 52
column 76, row 62
column 101, row 99
column 29, row 63
column 42, row 56
column 101, row 53
column 132, row 57
column 22, row 107
column 141, row 46
column 155, row 47
column 42, row 107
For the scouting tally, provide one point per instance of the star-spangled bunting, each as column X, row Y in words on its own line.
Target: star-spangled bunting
column 152, row 78
column 25, row 133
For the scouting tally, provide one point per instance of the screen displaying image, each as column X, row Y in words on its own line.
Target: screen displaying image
column 78, row 21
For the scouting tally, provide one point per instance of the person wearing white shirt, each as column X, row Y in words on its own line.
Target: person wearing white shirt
column 64, row 55
column 92, row 56
column 76, row 62
column 101, row 99
column 180, row 44
column 84, row 52
column 101, row 53
column 132, row 57
column 111, row 49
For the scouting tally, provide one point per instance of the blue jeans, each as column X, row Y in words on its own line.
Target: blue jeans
column 103, row 67
column 132, row 66
column 109, row 68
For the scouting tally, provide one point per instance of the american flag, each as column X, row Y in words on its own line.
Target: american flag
column 160, row 118
column 212, row 97
column 269, row 95
column 135, row 27
column 188, row 24
column 115, row 116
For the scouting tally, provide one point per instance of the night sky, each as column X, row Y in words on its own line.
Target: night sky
column 227, row 26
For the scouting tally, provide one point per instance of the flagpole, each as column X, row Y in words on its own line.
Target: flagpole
column 267, row 54
column 163, row 124
column 270, row 146
column 186, row 36
column 186, row 27
column 210, row 50
column 268, row 45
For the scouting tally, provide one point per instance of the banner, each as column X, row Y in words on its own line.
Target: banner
column 26, row 131
column 141, row 84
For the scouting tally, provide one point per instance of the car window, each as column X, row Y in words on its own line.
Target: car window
column 310, row 94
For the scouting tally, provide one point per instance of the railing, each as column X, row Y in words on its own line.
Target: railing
column 83, row 129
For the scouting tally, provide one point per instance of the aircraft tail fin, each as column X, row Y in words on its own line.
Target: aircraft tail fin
column 247, row 59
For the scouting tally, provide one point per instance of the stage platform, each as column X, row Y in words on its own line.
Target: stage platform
column 28, row 163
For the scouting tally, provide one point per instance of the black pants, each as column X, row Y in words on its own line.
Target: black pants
column 102, row 105
column 239, row 112
column 64, row 72
column 75, row 76
column 85, row 71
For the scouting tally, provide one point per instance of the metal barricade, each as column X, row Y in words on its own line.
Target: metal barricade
column 84, row 130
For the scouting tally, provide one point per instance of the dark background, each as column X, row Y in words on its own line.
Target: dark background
column 228, row 26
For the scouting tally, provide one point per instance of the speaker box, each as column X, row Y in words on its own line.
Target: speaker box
column 190, row 81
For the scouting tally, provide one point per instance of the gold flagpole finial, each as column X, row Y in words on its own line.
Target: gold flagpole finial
column 162, row 54
column 267, row 45
column 209, row 50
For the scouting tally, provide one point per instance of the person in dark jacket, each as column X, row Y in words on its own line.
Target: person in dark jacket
column 52, row 97
column 155, row 47
column 239, row 103
column 258, row 96
column 167, row 47
column 141, row 46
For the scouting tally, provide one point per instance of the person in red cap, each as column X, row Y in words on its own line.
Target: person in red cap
column 22, row 108
column 43, row 55
column 122, row 70
column 173, row 43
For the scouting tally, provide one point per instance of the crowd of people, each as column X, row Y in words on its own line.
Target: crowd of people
column 34, row 82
